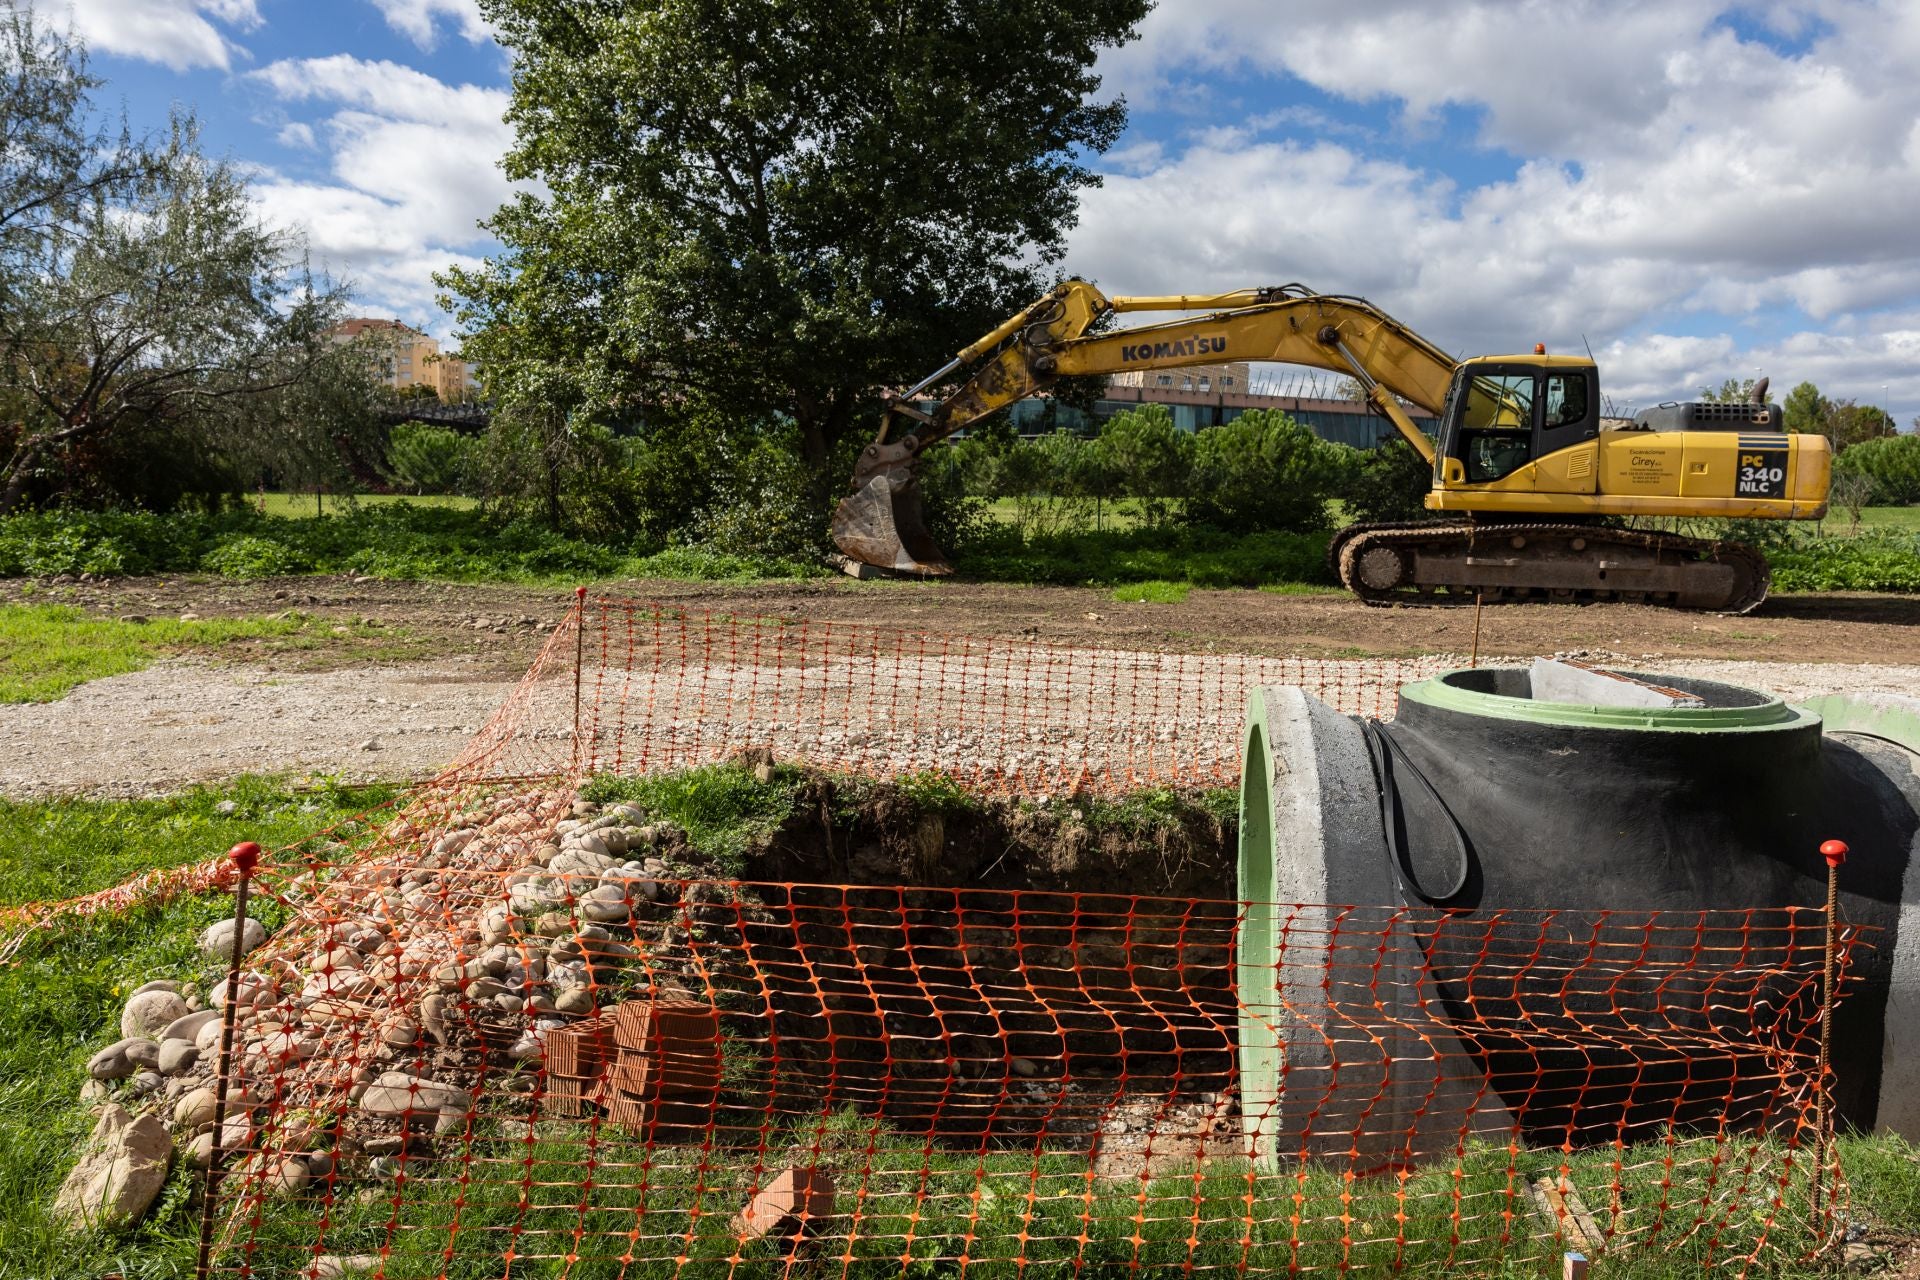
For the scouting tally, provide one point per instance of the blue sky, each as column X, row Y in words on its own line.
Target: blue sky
column 1696, row 189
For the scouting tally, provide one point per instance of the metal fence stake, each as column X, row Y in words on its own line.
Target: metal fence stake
column 579, row 660
column 245, row 857
column 1835, row 852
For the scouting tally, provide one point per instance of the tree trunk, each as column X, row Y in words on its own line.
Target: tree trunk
column 23, row 462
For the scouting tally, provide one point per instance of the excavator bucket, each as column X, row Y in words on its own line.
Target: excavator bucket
column 881, row 524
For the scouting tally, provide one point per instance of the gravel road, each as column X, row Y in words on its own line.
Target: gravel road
column 184, row 721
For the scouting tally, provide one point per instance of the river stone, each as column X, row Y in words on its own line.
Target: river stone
column 188, row 1028
column 146, row 1083
column 149, row 1013
column 121, row 1171
column 199, row 1151
column 334, row 1266
column 574, row 1000
column 177, row 1057
column 207, row 1040
column 216, row 940
column 143, row 1053
column 112, row 1063
column 194, row 1110
column 287, row 1177
column 395, row 1093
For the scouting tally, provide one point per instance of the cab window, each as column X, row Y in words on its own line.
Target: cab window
column 1496, row 436
column 1566, row 400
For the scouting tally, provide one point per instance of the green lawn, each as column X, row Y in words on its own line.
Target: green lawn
column 302, row 506
column 60, row 998
column 47, row 649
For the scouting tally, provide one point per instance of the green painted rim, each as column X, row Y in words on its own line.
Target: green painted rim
column 1893, row 717
column 1770, row 714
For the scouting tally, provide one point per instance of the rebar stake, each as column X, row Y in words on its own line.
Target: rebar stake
column 579, row 660
column 245, row 857
column 1473, row 659
column 1835, row 852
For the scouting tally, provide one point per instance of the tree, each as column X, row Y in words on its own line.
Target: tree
column 778, row 208
column 1262, row 471
column 1806, row 409
column 142, row 295
column 1891, row 465
column 1148, row 459
column 54, row 157
column 1848, row 423
column 1388, row 484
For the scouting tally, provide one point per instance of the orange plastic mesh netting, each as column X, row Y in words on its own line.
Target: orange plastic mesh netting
column 499, row 1041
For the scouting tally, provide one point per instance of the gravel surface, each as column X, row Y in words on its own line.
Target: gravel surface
column 186, row 721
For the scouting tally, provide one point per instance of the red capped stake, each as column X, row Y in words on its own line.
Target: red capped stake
column 1835, row 852
column 579, row 593
column 245, row 856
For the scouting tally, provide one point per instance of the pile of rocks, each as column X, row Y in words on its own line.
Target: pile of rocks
column 374, row 1021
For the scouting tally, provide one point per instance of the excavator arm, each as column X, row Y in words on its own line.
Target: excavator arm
column 880, row 522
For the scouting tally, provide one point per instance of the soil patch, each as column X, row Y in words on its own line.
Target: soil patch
column 1810, row 628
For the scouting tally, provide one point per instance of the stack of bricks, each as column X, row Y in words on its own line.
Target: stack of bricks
column 577, row 1058
column 654, row 1066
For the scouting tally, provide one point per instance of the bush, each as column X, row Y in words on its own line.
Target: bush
column 427, row 459
column 1891, row 464
column 1195, row 556
column 1869, row 562
column 1147, row 458
column 1388, row 485
column 1262, row 472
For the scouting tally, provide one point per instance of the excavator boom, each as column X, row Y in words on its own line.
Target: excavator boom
column 880, row 523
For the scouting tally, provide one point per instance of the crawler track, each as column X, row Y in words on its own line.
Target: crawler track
column 1454, row 563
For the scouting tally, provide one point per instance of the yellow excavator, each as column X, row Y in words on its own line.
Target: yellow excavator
column 1531, row 473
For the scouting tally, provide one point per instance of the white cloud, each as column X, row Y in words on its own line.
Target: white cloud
column 1669, row 169
column 175, row 33
column 298, row 135
column 415, row 167
column 418, row 20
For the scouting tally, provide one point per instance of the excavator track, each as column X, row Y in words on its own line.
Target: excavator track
column 1435, row 564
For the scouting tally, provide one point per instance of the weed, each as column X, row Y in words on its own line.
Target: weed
column 725, row 810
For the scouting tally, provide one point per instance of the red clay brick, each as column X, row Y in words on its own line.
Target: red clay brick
column 792, row 1200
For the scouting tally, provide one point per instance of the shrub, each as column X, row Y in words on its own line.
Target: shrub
column 1388, row 484
column 1262, row 472
column 427, row 459
column 249, row 556
column 1147, row 458
column 1892, row 466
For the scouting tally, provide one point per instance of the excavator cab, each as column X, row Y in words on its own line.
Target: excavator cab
column 1504, row 412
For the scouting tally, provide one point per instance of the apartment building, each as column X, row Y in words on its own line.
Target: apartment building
column 406, row 358
column 1200, row 379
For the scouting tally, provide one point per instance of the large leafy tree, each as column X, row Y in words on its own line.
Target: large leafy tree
column 144, row 309
column 776, row 207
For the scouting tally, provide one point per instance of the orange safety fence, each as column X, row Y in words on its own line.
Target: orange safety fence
column 505, row 1039
column 630, row 687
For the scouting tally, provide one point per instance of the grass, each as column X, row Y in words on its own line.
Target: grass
column 60, row 1000
column 1154, row 592
column 300, row 506
column 557, row 1191
column 47, row 649
column 725, row 810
